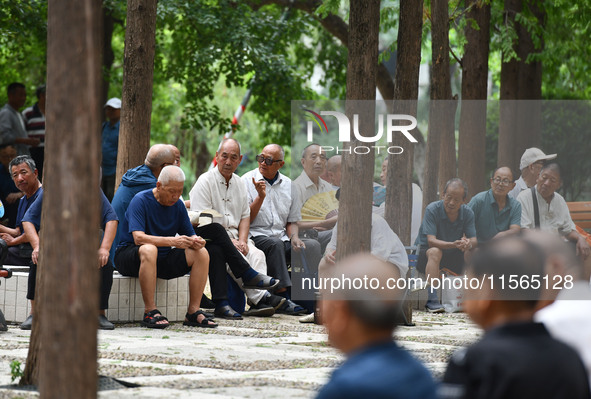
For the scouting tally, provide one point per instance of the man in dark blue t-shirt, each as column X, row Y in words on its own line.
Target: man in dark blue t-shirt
column 24, row 174
column 109, row 221
column 152, row 220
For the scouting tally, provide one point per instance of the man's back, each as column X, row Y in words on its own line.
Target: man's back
column 380, row 371
column 517, row 360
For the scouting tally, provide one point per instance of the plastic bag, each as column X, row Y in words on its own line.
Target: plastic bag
column 452, row 296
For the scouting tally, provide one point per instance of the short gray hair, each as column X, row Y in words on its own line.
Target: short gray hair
column 22, row 159
column 171, row 173
column 159, row 154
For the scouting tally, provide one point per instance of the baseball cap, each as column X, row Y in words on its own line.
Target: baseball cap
column 532, row 155
column 113, row 103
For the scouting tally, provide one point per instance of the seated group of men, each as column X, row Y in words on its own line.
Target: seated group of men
column 148, row 233
column 451, row 228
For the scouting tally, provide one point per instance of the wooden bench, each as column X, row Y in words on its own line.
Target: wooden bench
column 580, row 212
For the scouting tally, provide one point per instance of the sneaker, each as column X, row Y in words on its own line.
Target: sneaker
column 274, row 301
column 105, row 324
column 259, row 311
column 309, row 318
column 434, row 307
column 27, row 324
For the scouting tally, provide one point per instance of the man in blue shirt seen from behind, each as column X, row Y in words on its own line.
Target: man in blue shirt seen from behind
column 496, row 214
column 360, row 323
column 110, row 145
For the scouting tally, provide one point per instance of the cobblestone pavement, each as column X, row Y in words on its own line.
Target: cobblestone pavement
column 253, row 358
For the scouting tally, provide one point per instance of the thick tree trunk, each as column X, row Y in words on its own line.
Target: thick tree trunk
column 520, row 121
column 108, row 56
column 67, row 296
column 441, row 154
column 474, row 92
column 357, row 169
column 406, row 92
column 138, row 71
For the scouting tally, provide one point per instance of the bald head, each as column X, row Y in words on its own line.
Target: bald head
column 333, row 166
column 159, row 156
column 370, row 303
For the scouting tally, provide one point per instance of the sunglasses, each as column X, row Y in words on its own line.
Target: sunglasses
column 268, row 161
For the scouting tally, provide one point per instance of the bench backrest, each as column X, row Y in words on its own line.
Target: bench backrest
column 580, row 212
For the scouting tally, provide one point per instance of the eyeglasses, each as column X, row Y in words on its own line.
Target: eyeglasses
column 500, row 182
column 268, row 161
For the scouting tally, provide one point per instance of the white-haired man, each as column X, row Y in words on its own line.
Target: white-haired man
column 153, row 219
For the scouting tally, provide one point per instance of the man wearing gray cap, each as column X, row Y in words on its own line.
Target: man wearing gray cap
column 110, row 145
column 530, row 165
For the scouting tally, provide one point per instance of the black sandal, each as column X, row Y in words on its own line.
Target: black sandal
column 192, row 320
column 152, row 318
column 260, row 282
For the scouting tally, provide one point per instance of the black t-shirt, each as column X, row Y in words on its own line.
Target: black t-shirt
column 516, row 360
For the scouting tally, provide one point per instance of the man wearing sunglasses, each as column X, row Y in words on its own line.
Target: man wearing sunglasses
column 274, row 217
column 495, row 213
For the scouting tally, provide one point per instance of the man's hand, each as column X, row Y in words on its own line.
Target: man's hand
column 261, row 187
column 330, row 257
column 297, row 244
column 7, row 237
column 240, row 246
column 583, row 248
column 463, row 244
column 103, row 257
column 35, row 255
column 13, row 197
column 183, row 242
column 198, row 242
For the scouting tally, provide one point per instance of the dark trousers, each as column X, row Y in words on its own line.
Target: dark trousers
column 106, row 276
column 221, row 251
column 279, row 253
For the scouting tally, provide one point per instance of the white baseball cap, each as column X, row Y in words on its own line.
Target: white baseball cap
column 532, row 155
column 113, row 103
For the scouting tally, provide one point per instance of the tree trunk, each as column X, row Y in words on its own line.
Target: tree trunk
column 472, row 140
column 441, row 156
column 138, row 71
column 357, row 169
column 406, row 92
column 65, row 322
column 530, row 86
column 108, row 56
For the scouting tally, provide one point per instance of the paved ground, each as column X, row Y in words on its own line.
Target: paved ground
column 254, row 358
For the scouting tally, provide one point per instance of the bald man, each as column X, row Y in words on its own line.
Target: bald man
column 360, row 323
column 140, row 178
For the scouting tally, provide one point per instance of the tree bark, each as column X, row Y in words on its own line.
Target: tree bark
column 406, row 91
column 520, row 121
column 472, row 138
column 441, row 154
column 138, row 71
column 357, row 169
column 108, row 56
column 65, row 321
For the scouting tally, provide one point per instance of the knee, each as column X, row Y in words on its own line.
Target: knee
column 434, row 254
column 148, row 253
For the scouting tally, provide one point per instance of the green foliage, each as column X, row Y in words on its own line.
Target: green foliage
column 23, row 53
column 16, row 370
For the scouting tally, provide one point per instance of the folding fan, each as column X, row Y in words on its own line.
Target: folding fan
column 320, row 206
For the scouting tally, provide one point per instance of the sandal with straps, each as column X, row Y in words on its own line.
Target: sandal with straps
column 152, row 318
column 192, row 320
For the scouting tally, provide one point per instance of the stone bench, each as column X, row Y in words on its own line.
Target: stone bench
column 125, row 301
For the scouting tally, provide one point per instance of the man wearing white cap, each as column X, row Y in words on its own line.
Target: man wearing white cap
column 531, row 164
column 110, row 144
